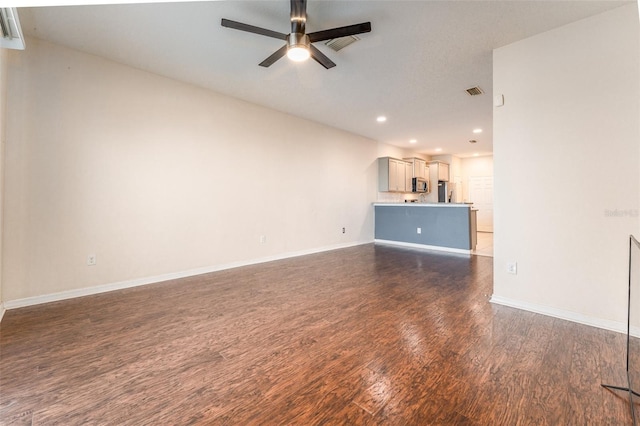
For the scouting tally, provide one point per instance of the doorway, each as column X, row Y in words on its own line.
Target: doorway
column 481, row 195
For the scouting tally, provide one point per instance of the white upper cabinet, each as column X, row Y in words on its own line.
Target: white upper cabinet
column 418, row 167
column 443, row 172
column 392, row 175
column 408, row 177
column 439, row 171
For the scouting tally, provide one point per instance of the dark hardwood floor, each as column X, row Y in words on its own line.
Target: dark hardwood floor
column 369, row 335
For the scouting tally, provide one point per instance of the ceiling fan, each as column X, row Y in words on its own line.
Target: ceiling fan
column 299, row 45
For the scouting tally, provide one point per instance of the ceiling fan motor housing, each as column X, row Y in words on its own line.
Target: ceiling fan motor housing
column 298, row 40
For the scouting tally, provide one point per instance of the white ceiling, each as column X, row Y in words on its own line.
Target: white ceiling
column 413, row 67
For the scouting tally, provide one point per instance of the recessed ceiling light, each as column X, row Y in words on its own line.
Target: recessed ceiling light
column 477, row 131
column 476, row 154
column 438, row 149
column 413, row 141
column 381, row 119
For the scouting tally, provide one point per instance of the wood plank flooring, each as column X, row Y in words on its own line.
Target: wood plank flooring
column 369, row 335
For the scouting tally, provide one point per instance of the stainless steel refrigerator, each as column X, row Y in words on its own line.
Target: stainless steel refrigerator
column 442, row 192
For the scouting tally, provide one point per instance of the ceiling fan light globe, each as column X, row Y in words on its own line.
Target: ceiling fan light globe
column 298, row 53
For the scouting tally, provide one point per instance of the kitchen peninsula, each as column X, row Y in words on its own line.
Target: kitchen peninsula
column 437, row 226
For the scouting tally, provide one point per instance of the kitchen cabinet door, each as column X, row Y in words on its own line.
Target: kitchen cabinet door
column 439, row 171
column 418, row 167
column 425, row 170
column 408, row 177
column 443, row 172
column 392, row 175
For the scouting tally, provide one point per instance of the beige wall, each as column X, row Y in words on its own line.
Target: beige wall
column 3, row 90
column 156, row 177
column 566, row 150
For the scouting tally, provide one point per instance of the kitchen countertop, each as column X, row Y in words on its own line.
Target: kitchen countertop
column 422, row 204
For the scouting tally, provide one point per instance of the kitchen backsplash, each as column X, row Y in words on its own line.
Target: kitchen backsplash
column 396, row 197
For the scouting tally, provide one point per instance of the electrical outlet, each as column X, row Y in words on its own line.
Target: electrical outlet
column 91, row 260
column 419, row 230
column 344, row 230
column 263, row 239
column 512, row 267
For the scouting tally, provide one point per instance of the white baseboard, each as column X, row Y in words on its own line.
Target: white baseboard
column 422, row 246
column 88, row 291
column 562, row 314
column 2, row 311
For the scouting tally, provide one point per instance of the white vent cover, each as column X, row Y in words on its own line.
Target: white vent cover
column 341, row 42
column 10, row 29
column 474, row 91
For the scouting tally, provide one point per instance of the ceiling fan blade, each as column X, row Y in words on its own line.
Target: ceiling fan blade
column 252, row 29
column 364, row 27
column 274, row 57
column 321, row 58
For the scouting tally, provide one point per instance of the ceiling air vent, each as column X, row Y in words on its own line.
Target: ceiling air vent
column 341, row 42
column 474, row 91
column 10, row 29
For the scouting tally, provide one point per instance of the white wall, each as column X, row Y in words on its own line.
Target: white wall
column 566, row 150
column 156, row 177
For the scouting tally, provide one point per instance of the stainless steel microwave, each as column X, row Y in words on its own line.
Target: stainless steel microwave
column 419, row 185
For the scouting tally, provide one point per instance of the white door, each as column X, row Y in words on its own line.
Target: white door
column 481, row 195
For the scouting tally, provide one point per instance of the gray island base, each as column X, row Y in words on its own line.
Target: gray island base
column 441, row 226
